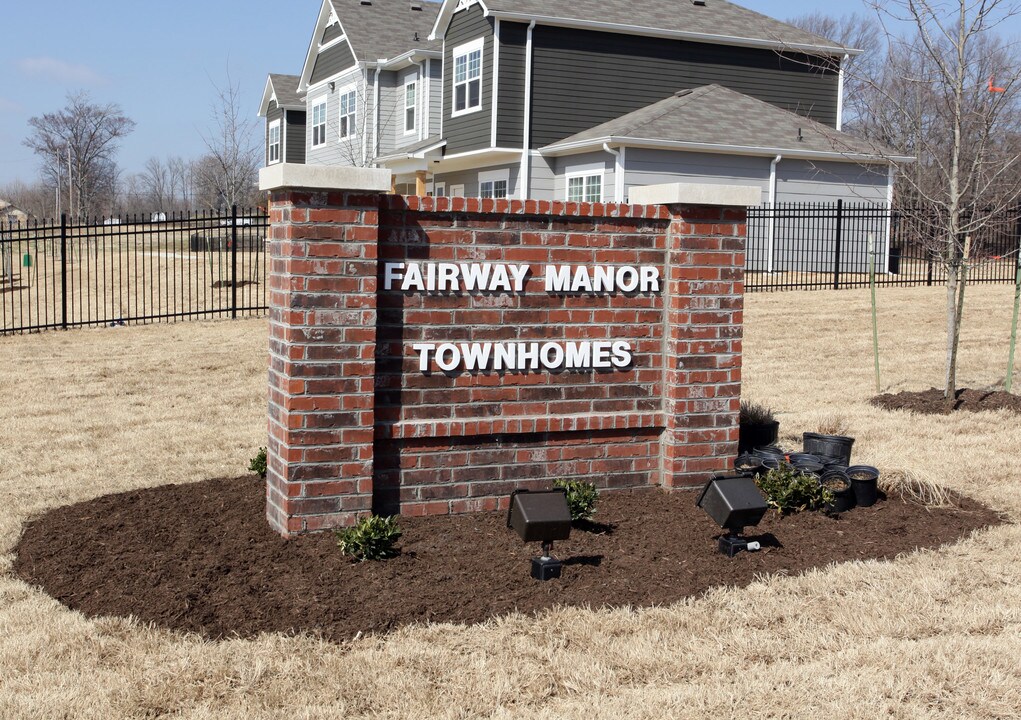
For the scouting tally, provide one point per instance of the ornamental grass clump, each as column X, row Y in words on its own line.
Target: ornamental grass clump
column 371, row 538
column 790, row 491
column 581, row 498
column 755, row 414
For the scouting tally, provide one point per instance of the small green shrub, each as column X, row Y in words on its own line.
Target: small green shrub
column 755, row 413
column 581, row 498
column 371, row 538
column 791, row 491
column 258, row 463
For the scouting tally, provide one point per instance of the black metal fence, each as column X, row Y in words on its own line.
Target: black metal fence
column 132, row 269
column 814, row 246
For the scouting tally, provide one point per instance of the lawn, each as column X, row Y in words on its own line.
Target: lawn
column 934, row 634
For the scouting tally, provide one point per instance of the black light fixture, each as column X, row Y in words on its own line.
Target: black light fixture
column 541, row 516
column 734, row 503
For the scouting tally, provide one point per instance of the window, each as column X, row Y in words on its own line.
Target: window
column 410, row 104
column 348, row 113
column 493, row 189
column 468, row 78
column 585, row 188
column 319, row 124
column 274, row 142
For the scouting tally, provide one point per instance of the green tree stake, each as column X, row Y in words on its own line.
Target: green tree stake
column 875, row 318
column 1013, row 325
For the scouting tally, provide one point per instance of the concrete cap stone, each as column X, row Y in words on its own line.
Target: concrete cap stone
column 696, row 194
column 324, row 177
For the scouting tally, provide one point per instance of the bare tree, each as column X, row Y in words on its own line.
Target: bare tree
column 948, row 93
column 77, row 146
column 229, row 169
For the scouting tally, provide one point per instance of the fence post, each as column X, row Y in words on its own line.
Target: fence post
column 63, row 271
column 234, row 261
column 839, row 238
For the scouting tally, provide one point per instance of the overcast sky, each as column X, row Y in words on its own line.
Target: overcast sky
column 160, row 62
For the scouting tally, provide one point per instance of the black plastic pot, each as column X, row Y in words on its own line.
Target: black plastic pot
column 753, row 435
column 795, row 458
column 772, row 463
column 864, row 481
column 748, row 464
column 769, row 451
column 830, row 446
column 833, row 463
column 843, row 493
column 809, row 468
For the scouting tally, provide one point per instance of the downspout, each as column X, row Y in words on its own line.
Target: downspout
column 526, row 170
column 891, row 178
column 364, row 93
column 772, row 213
column 840, row 92
column 618, row 173
column 375, row 112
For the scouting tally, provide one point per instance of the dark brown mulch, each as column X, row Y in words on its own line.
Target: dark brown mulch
column 220, row 284
column 931, row 402
column 201, row 557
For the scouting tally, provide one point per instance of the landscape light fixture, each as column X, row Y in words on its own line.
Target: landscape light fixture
column 734, row 503
column 541, row 516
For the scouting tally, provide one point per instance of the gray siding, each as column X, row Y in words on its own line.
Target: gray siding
column 584, row 163
column 273, row 112
column 387, row 111
column 336, row 151
column 435, row 96
column 510, row 122
column 473, row 131
column 332, row 32
column 294, row 129
column 331, row 61
column 583, row 78
column 654, row 167
column 397, row 123
column 827, row 182
column 470, row 179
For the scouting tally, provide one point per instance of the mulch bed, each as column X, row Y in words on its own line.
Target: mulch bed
column 201, row 557
column 931, row 402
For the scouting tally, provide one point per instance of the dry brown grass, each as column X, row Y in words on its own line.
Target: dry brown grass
column 931, row 635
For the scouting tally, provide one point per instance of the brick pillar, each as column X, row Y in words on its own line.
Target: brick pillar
column 322, row 333
column 702, row 339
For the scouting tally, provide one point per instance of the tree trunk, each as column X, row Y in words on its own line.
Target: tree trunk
column 961, row 281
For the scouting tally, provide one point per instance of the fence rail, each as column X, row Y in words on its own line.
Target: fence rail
column 814, row 246
column 142, row 269
column 132, row 269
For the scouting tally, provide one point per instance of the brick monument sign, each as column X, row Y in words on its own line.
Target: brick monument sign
column 430, row 355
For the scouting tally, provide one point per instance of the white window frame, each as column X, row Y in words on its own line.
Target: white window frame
column 313, row 126
column 270, row 145
column 352, row 125
column 585, row 176
column 466, row 50
column 411, row 82
column 457, row 190
column 439, row 189
column 491, row 178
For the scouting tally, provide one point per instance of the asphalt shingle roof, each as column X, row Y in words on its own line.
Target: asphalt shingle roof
column 286, row 89
column 716, row 17
column 715, row 115
column 386, row 28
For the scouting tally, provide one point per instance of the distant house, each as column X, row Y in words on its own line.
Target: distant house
column 579, row 100
column 10, row 215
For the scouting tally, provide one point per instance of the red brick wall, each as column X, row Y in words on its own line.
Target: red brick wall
column 356, row 425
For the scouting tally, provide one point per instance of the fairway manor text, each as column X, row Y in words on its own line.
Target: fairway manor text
column 431, row 355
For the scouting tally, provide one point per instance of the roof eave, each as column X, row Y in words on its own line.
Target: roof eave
column 792, row 153
column 834, row 50
column 446, row 12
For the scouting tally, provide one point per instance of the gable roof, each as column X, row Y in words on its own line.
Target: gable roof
column 283, row 89
column 386, row 28
column 713, row 118
column 715, row 21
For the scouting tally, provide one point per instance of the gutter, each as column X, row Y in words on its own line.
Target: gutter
column 375, row 111
column 676, row 34
column 596, row 143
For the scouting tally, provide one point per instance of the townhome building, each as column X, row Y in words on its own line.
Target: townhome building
column 579, row 100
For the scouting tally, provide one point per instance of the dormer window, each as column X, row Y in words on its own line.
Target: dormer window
column 467, row 96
